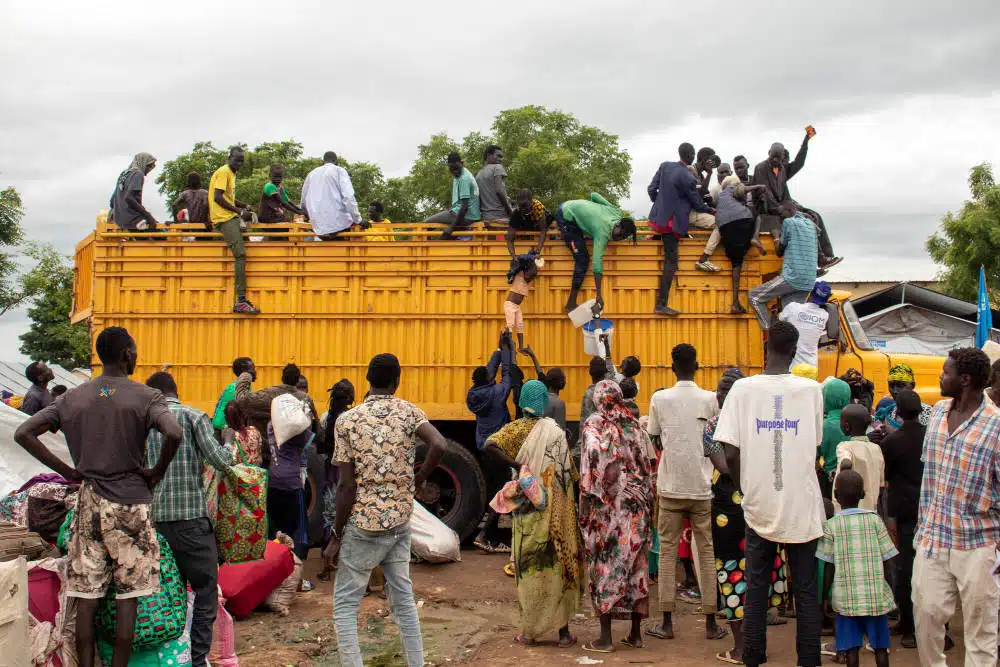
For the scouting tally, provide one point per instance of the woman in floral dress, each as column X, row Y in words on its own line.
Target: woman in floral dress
column 729, row 537
column 616, row 496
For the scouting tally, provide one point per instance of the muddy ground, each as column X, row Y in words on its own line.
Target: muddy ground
column 468, row 613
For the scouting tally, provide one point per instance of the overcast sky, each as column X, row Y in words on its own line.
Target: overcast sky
column 904, row 95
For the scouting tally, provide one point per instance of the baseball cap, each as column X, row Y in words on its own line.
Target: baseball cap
column 821, row 292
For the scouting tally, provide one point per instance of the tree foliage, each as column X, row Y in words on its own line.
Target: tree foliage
column 369, row 182
column 11, row 233
column 970, row 239
column 51, row 337
column 549, row 152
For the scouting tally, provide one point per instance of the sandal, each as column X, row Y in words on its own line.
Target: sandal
column 720, row 633
column 524, row 641
column 566, row 642
column 727, row 657
column 508, row 569
column 632, row 643
column 737, row 309
column 591, row 647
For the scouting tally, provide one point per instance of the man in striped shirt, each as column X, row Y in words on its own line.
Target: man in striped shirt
column 180, row 512
column 959, row 518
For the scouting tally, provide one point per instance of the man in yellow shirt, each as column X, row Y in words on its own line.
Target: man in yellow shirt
column 225, row 214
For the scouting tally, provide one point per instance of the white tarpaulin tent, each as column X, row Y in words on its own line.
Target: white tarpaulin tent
column 16, row 465
column 911, row 319
column 909, row 329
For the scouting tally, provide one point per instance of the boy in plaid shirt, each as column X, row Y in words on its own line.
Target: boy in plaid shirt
column 855, row 546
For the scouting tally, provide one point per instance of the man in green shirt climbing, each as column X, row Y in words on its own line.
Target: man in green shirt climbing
column 602, row 221
column 241, row 365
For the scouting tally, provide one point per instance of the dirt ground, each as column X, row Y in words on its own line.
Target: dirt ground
column 468, row 615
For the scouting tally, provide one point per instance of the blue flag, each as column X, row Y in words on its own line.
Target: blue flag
column 984, row 321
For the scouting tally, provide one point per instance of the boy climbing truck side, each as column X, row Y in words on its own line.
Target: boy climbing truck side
column 330, row 307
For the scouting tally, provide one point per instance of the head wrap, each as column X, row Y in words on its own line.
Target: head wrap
column 836, row 396
column 534, row 398
column 901, row 373
column 139, row 163
column 805, row 371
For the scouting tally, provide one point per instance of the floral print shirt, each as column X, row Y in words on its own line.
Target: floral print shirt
column 379, row 438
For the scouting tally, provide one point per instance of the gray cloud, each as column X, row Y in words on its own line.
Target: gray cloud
column 91, row 84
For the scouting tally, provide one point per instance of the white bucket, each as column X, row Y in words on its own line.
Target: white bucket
column 583, row 313
column 592, row 332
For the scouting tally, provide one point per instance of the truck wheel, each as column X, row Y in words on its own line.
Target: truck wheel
column 456, row 490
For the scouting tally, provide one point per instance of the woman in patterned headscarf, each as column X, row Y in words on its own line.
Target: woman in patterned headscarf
column 616, row 496
column 548, row 565
column 729, row 536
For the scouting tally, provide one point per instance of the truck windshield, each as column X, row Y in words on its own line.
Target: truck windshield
column 861, row 341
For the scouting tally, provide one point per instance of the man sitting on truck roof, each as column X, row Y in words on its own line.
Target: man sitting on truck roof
column 276, row 199
column 529, row 216
column 227, row 216
column 328, row 199
column 127, row 210
column 492, row 182
column 797, row 243
column 775, row 172
column 464, row 199
column 193, row 202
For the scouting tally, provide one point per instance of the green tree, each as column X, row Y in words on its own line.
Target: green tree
column 51, row 337
column 369, row 182
column 11, row 233
column 970, row 239
column 549, row 152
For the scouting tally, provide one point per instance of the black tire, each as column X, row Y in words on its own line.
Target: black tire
column 456, row 489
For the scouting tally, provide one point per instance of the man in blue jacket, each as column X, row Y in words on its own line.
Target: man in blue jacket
column 487, row 399
column 674, row 193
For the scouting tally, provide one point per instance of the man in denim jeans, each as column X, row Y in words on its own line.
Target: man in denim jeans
column 375, row 449
column 770, row 425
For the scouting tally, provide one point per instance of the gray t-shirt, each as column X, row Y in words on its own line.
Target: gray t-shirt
column 106, row 422
column 125, row 216
column 492, row 191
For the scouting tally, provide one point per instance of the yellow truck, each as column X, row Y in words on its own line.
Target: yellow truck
column 330, row 306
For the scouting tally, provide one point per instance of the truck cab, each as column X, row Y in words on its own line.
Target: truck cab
column 846, row 346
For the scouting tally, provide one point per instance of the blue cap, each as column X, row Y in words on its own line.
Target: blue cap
column 821, row 292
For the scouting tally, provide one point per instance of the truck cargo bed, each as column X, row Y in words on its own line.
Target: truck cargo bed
column 330, row 306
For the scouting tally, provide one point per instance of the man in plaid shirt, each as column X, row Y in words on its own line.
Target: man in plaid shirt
column 180, row 512
column 959, row 518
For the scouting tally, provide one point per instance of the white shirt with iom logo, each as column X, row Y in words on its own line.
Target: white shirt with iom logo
column 776, row 421
column 810, row 320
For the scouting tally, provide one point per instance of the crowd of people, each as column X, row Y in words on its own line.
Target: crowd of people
column 698, row 191
column 766, row 482
column 799, row 496
column 795, row 494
